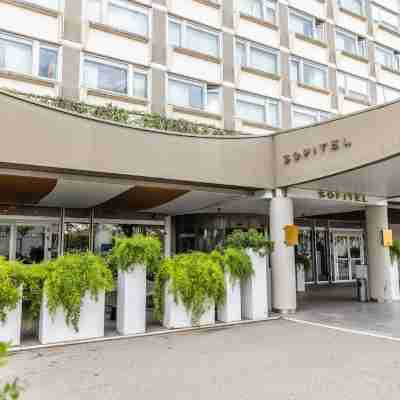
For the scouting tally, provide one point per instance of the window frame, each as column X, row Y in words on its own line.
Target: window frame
column 266, row 4
column 183, row 25
column 361, row 50
column 379, row 8
column 248, row 46
column 267, row 102
column 395, row 57
column 310, row 112
column 57, row 8
column 130, row 69
column 343, row 4
column 348, row 93
column 317, row 34
column 312, row 64
column 205, row 89
column 36, row 45
column 384, row 88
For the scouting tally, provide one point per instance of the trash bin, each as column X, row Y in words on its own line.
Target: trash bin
column 362, row 290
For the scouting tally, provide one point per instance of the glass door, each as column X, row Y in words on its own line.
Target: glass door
column 5, row 237
column 321, row 256
column 304, row 248
column 31, row 243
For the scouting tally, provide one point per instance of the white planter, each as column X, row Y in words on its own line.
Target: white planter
column 10, row 330
column 177, row 316
column 231, row 310
column 54, row 329
column 254, row 289
column 392, row 289
column 301, row 279
column 131, row 301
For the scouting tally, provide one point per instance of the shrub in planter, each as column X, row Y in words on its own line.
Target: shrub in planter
column 254, row 288
column 237, row 267
column 11, row 274
column 73, row 298
column 133, row 258
column 187, row 288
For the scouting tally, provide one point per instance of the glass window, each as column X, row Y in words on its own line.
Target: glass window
column 202, row 41
column 353, row 86
column 30, row 244
column 387, row 94
column 140, row 85
column 258, row 109
column 174, row 33
column 295, row 70
column 94, row 10
column 125, row 18
column 105, row 76
column 185, row 94
column 5, row 241
column 302, row 25
column 263, row 60
column 385, row 17
column 302, row 116
column 48, row 63
column 15, row 55
column 386, row 57
column 241, row 54
column 355, row 6
column 346, row 42
column 76, row 237
column 213, row 100
column 46, row 3
column 261, row 9
column 314, row 76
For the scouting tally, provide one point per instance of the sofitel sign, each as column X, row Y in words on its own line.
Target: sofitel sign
column 346, row 196
column 308, row 152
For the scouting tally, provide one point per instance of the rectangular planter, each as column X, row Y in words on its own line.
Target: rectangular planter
column 131, row 301
column 231, row 310
column 91, row 323
column 300, row 279
column 254, row 289
column 177, row 316
column 10, row 330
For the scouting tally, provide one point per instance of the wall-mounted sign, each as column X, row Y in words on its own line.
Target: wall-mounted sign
column 387, row 237
column 313, row 151
column 344, row 196
column 291, row 235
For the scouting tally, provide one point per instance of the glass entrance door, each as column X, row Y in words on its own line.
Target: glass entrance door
column 321, row 256
column 348, row 252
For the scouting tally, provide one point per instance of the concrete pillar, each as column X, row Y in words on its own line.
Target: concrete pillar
column 378, row 256
column 282, row 259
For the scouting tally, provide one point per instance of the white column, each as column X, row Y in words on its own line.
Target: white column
column 168, row 237
column 379, row 264
column 282, row 258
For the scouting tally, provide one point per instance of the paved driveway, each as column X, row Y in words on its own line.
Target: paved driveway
column 270, row 360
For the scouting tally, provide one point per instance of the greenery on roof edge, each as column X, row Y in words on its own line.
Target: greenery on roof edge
column 135, row 119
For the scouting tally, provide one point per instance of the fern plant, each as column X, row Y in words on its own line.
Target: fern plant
column 234, row 261
column 196, row 279
column 138, row 249
column 70, row 278
column 251, row 239
column 10, row 280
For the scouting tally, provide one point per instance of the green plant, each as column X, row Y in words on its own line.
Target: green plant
column 395, row 251
column 70, row 278
column 235, row 261
column 303, row 261
column 10, row 281
column 196, row 279
column 10, row 391
column 251, row 239
column 138, row 249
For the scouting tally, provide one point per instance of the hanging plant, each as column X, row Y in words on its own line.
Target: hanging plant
column 10, row 391
column 10, row 280
column 302, row 261
column 251, row 239
column 395, row 251
column 235, row 261
column 70, row 278
column 138, row 249
column 195, row 279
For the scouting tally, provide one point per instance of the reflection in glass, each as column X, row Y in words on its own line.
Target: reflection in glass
column 5, row 241
column 322, row 256
column 305, row 248
column 76, row 237
column 30, row 243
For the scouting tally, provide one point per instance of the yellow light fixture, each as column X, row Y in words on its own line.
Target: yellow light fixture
column 387, row 237
column 291, row 235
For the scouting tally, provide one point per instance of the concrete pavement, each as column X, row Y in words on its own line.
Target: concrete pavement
column 276, row 360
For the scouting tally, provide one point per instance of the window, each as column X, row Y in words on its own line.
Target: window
column 257, row 57
column 387, row 94
column 186, row 35
column 197, row 95
column 306, row 25
column 308, row 73
column 114, row 77
column 261, row 9
column 353, row 86
column 53, row 4
column 263, row 110
column 354, row 6
column 351, row 43
column 127, row 17
column 302, row 116
column 385, row 17
column 121, row 14
column 387, row 57
column 17, row 55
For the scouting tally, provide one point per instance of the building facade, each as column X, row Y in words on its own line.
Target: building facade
column 254, row 66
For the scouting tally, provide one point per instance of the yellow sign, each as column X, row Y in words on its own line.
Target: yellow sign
column 387, row 237
column 291, row 235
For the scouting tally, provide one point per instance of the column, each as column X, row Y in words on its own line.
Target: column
column 71, row 52
column 282, row 258
column 159, row 58
column 379, row 268
column 168, row 237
